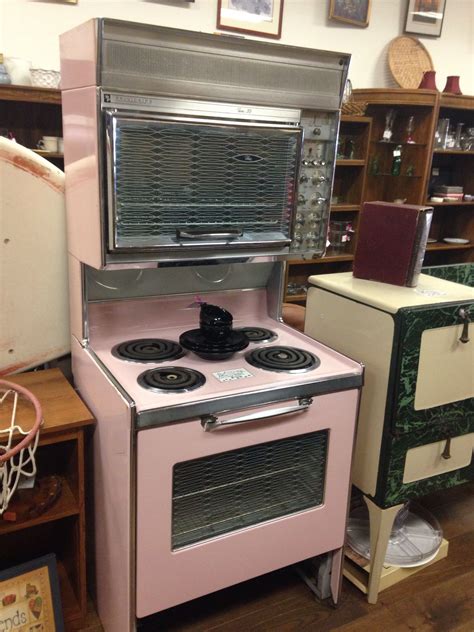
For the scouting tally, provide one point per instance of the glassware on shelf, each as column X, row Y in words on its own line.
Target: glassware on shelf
column 410, row 129
column 441, row 135
column 389, row 121
column 375, row 166
column 349, row 149
column 396, row 161
column 340, row 235
column 410, row 170
column 467, row 141
column 458, row 135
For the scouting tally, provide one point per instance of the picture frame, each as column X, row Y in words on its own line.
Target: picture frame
column 30, row 597
column 251, row 17
column 425, row 17
column 355, row 12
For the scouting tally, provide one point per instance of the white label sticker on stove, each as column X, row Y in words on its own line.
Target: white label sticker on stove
column 430, row 293
column 232, row 374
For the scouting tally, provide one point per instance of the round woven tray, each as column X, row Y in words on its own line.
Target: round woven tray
column 408, row 59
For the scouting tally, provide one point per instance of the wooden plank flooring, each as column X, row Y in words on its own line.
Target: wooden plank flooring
column 437, row 599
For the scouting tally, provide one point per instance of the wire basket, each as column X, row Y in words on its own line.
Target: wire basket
column 354, row 108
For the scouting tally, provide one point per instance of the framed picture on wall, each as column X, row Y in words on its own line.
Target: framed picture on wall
column 425, row 17
column 254, row 17
column 355, row 12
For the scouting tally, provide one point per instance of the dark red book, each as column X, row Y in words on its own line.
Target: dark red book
column 391, row 242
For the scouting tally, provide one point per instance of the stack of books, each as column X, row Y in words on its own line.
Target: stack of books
column 449, row 193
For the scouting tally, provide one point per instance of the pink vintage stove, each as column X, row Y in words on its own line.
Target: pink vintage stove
column 224, row 438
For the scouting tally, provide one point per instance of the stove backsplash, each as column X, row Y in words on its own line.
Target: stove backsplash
column 183, row 146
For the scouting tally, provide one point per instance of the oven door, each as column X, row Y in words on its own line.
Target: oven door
column 221, row 501
column 187, row 183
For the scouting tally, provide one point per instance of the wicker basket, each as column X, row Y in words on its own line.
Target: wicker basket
column 354, row 108
column 408, row 59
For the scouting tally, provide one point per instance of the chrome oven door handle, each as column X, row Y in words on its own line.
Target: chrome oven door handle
column 211, row 422
column 196, row 234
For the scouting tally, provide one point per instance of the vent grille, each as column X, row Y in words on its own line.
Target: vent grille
column 232, row 490
column 171, row 175
column 159, row 64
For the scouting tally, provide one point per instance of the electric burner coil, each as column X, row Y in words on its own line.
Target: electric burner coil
column 287, row 359
column 258, row 334
column 148, row 350
column 171, row 379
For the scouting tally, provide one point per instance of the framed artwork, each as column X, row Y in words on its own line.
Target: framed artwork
column 29, row 597
column 355, row 12
column 425, row 17
column 254, row 17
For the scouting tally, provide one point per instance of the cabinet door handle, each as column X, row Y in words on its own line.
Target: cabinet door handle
column 464, row 316
column 446, row 453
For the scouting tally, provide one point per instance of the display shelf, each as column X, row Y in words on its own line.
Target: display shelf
column 345, row 208
column 453, row 152
column 30, row 94
column 66, row 505
column 444, row 246
column 347, row 162
column 440, row 204
column 70, row 604
column 29, row 113
column 295, row 298
column 395, row 142
column 61, row 529
column 326, row 259
column 454, row 167
column 48, row 154
column 391, row 175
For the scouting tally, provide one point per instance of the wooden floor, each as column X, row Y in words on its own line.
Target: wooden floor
column 439, row 598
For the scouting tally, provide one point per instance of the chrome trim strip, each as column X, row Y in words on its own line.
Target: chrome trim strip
column 85, row 306
column 192, row 410
column 131, row 102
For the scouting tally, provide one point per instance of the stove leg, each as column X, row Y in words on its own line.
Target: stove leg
column 323, row 575
column 336, row 574
column 381, row 523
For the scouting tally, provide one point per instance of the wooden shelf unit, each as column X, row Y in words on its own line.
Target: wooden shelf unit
column 30, row 113
column 347, row 196
column 61, row 529
column 456, row 167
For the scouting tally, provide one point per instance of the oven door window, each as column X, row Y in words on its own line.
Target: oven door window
column 229, row 491
column 179, row 183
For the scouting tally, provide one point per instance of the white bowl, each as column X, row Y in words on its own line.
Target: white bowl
column 45, row 78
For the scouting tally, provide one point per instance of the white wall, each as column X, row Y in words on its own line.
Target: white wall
column 30, row 29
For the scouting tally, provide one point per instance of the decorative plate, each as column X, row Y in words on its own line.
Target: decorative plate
column 455, row 240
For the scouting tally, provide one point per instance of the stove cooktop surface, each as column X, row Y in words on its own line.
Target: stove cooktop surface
column 286, row 358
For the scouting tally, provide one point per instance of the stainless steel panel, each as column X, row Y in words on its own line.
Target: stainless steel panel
column 144, row 58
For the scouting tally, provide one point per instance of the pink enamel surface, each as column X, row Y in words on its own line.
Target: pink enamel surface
column 112, row 452
column 166, row 578
column 167, row 317
column 81, row 159
column 78, row 49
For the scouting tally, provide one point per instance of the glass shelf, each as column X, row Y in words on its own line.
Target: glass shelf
column 394, row 142
column 402, row 175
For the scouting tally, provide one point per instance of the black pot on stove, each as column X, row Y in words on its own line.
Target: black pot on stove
column 215, row 339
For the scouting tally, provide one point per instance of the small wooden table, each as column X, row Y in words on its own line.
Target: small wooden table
column 61, row 529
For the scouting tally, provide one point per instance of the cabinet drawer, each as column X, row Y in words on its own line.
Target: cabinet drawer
column 427, row 460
